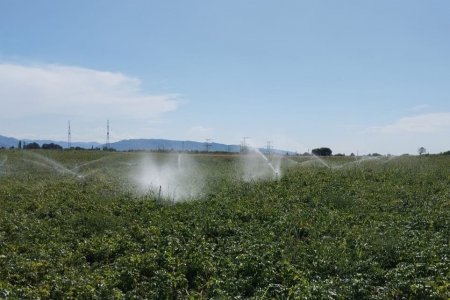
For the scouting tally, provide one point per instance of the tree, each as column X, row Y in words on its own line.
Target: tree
column 32, row 146
column 324, row 151
column 421, row 150
column 20, row 145
column 52, row 146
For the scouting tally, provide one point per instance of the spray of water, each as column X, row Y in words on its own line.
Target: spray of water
column 256, row 165
column 3, row 160
column 89, row 163
column 46, row 162
column 276, row 171
column 170, row 177
column 315, row 161
column 362, row 160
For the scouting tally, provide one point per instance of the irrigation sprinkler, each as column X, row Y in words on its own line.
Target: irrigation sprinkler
column 159, row 194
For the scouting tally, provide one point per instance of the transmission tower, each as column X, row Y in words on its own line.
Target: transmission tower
column 107, row 134
column 69, row 137
column 208, row 144
column 244, row 147
column 269, row 148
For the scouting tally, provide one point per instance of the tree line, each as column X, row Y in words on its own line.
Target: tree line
column 34, row 145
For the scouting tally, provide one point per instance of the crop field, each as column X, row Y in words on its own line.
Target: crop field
column 106, row 225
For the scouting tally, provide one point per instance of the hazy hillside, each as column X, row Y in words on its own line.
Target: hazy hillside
column 171, row 145
column 142, row 144
column 8, row 142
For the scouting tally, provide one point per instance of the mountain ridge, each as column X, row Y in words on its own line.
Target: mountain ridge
column 141, row 145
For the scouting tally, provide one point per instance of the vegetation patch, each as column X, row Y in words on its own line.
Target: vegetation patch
column 77, row 228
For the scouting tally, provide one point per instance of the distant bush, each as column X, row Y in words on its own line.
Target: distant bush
column 375, row 154
column 446, row 152
column 112, row 149
column 32, row 146
column 322, row 151
column 51, row 146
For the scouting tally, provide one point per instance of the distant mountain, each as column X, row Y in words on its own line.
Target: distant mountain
column 171, row 145
column 87, row 145
column 8, row 142
column 141, row 145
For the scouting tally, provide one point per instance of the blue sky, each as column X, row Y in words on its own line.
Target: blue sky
column 355, row 76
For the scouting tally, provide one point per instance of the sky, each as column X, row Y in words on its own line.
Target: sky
column 354, row 76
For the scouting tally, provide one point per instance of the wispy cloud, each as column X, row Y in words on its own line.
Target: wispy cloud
column 34, row 90
column 419, row 107
column 425, row 123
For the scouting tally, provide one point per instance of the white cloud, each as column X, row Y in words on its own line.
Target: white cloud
column 425, row 123
column 34, row 90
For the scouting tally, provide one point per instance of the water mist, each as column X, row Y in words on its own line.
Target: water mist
column 256, row 165
column 173, row 177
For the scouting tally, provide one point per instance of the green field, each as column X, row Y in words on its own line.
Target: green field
column 84, row 224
